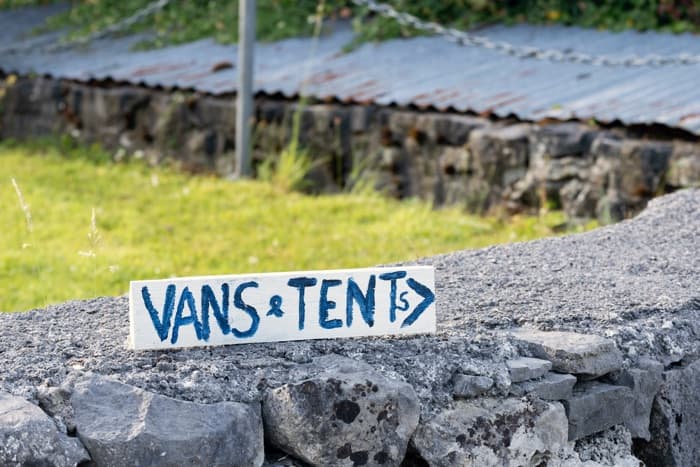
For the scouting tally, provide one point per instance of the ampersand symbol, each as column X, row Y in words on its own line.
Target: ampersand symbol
column 275, row 303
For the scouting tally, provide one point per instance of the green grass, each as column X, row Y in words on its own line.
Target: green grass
column 157, row 223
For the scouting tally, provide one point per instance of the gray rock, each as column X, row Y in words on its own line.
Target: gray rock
column 214, row 112
column 557, row 171
column 391, row 158
column 553, row 387
column 454, row 160
column 524, row 192
column 124, row 425
column 675, row 426
column 29, row 437
column 401, row 124
column 611, row 447
column 361, row 117
column 493, row 432
column 470, row 386
column 556, row 158
column 473, row 193
column 561, row 139
column 578, row 199
column 642, row 167
column 595, row 406
column 450, row 129
column 498, row 149
column 644, row 383
column 611, row 207
column 606, row 145
column 627, row 173
column 440, row 128
column 346, row 415
column 524, row 368
column 619, row 187
column 55, row 401
column 284, row 462
column 570, row 352
column 277, row 458
column 508, row 140
column 684, row 166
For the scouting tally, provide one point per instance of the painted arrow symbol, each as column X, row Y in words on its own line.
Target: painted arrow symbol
column 428, row 299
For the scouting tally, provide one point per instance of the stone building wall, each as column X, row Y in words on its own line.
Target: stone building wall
column 445, row 158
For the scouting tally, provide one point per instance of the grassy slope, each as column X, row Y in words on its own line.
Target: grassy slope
column 156, row 223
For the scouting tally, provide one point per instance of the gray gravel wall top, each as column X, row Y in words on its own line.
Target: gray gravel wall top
column 642, row 271
column 637, row 282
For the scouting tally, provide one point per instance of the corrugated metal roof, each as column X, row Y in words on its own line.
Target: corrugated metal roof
column 425, row 71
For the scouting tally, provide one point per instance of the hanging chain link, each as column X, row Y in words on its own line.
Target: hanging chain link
column 405, row 19
column 119, row 26
column 50, row 44
column 521, row 51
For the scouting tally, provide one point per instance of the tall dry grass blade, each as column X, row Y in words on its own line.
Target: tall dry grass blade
column 94, row 237
column 93, row 234
column 24, row 206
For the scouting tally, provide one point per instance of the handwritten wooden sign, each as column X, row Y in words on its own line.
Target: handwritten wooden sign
column 237, row 309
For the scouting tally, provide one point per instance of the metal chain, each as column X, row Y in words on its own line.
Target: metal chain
column 117, row 27
column 405, row 19
column 112, row 29
column 520, row 51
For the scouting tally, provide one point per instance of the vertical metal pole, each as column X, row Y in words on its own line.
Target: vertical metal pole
column 244, row 105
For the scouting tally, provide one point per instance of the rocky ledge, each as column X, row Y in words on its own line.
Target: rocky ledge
column 580, row 350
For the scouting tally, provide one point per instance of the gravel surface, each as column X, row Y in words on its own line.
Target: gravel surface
column 637, row 282
column 635, row 276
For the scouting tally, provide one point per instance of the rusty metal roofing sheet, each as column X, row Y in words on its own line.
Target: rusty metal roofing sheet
column 426, row 72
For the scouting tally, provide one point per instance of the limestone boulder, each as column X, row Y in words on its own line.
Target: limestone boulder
column 444, row 128
column 596, row 406
column 642, row 168
column 497, row 149
column 561, row 139
column 675, row 429
column 466, row 386
column 124, row 425
column 29, row 437
column 524, row 368
column 609, row 448
column 644, row 383
column 493, row 432
column 684, row 166
column 55, row 401
column 578, row 198
column 346, row 415
column 553, row 386
column 581, row 354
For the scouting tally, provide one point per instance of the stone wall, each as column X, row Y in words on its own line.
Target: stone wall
column 445, row 158
column 345, row 413
column 577, row 405
column 571, row 351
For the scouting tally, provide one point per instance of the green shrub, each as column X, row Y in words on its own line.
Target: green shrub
column 184, row 21
column 288, row 170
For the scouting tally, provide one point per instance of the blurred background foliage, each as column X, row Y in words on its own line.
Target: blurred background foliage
column 187, row 20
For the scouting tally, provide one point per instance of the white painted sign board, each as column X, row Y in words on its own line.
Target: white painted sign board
column 272, row 307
